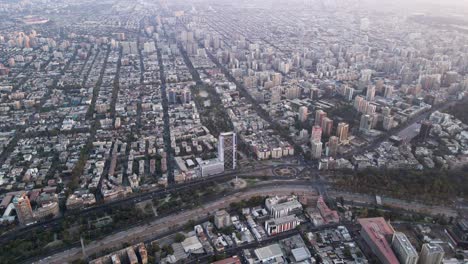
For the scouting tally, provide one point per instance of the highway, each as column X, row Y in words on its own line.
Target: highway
column 164, row 224
column 130, row 199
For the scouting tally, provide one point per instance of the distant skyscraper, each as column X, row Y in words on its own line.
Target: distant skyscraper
column 366, row 75
column 332, row 146
column 366, row 123
column 186, row 96
column 342, row 131
column 388, row 92
column 327, row 126
column 172, row 96
column 316, row 134
column 370, row 95
column 364, row 25
column 316, row 149
column 319, row 115
column 371, row 109
column 404, row 251
column 431, row 254
column 357, row 102
column 425, row 130
column 387, row 122
column 349, row 93
column 23, row 209
column 303, row 113
column 386, row 111
column 227, row 149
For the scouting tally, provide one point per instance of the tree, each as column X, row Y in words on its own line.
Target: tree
column 179, row 237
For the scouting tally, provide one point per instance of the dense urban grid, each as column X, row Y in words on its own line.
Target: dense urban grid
column 233, row 131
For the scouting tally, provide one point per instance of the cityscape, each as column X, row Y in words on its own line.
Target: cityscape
column 234, row 131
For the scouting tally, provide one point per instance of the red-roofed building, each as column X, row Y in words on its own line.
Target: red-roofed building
column 329, row 216
column 377, row 234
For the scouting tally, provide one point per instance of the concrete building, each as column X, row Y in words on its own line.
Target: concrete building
column 403, row 249
column 222, row 219
column 227, row 149
column 431, row 254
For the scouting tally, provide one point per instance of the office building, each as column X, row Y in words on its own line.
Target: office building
column 431, row 254
column 23, row 209
column 342, row 131
column 403, row 249
column 227, row 150
column 376, row 232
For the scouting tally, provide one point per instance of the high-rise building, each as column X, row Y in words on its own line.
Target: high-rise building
column 371, row 108
column 431, row 254
column 357, row 101
column 364, row 24
column 222, row 219
column 172, row 96
column 386, row 111
column 370, row 95
column 23, row 209
column 293, row 92
column 186, row 96
column 316, row 134
column 425, row 130
column 366, row 123
column 327, row 126
column 403, row 249
column 342, row 131
column 348, row 92
column 227, row 150
column 366, row 75
column 388, row 122
column 319, row 115
column 388, row 92
column 303, row 113
column 332, row 146
column 316, row 149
